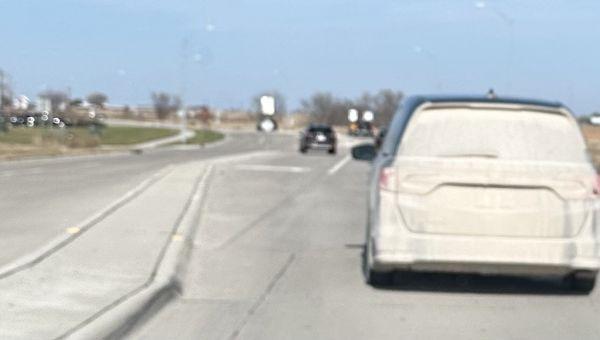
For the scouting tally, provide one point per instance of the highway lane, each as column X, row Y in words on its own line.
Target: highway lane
column 278, row 253
column 40, row 199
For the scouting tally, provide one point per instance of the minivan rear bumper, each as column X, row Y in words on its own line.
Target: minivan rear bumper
column 484, row 255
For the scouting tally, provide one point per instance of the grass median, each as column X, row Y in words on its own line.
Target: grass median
column 83, row 137
column 24, row 142
column 125, row 135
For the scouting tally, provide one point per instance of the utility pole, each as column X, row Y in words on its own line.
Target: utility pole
column 1, row 89
column 183, row 87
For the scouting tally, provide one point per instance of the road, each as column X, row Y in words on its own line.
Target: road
column 41, row 198
column 278, row 250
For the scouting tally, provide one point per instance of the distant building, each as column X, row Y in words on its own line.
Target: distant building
column 44, row 104
column 21, row 102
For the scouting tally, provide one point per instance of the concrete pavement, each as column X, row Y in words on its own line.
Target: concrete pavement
column 276, row 254
column 182, row 136
column 113, row 258
column 40, row 199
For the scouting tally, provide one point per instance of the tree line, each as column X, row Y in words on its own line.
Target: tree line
column 324, row 107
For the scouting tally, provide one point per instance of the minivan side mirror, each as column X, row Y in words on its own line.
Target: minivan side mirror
column 364, row 152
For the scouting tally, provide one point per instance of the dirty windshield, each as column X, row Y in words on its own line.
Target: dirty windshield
column 309, row 169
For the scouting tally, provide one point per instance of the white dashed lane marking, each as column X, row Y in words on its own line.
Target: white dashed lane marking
column 338, row 165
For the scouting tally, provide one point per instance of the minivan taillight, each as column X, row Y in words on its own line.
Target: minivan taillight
column 387, row 179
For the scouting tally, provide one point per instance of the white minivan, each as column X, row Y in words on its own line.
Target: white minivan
column 482, row 185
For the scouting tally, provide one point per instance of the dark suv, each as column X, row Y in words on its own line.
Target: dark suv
column 361, row 129
column 318, row 136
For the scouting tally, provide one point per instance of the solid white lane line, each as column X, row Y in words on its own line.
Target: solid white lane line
column 271, row 168
column 338, row 165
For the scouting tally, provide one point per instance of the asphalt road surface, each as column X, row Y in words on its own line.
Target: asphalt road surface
column 278, row 251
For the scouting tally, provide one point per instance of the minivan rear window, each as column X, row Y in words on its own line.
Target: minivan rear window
column 493, row 133
column 320, row 129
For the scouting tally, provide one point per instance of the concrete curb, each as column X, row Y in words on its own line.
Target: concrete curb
column 184, row 147
column 153, row 144
column 119, row 318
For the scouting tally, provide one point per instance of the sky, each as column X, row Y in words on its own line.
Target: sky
column 224, row 52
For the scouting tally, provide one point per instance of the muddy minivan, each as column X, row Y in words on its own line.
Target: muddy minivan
column 482, row 185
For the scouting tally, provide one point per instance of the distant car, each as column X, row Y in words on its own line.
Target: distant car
column 361, row 129
column 482, row 185
column 380, row 137
column 318, row 136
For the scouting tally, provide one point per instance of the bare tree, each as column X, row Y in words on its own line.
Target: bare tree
column 126, row 112
column 7, row 98
column 6, row 93
column 385, row 104
column 205, row 116
column 365, row 102
column 323, row 107
column 58, row 99
column 165, row 104
column 76, row 102
column 97, row 99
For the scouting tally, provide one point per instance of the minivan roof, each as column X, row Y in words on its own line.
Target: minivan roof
column 420, row 99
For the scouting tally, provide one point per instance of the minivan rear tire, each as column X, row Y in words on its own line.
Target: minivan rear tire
column 380, row 279
column 373, row 277
column 582, row 281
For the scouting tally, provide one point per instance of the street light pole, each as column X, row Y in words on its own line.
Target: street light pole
column 183, row 88
column 1, row 89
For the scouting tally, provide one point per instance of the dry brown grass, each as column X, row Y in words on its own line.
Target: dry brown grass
column 20, row 151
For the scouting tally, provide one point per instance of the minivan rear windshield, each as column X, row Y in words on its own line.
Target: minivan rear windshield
column 493, row 134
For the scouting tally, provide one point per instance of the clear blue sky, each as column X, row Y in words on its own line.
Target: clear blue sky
column 238, row 48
